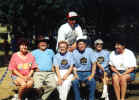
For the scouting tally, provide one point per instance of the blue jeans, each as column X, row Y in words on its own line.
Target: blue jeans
column 83, row 76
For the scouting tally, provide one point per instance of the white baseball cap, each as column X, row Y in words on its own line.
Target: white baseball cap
column 98, row 41
column 72, row 14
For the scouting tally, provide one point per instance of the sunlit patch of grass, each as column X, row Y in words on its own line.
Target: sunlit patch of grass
column 6, row 87
column 1, row 40
column 1, row 53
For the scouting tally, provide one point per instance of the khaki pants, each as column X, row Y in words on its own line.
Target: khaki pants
column 46, row 79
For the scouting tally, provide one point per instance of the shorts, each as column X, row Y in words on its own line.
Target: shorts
column 14, row 77
column 132, row 74
column 99, row 75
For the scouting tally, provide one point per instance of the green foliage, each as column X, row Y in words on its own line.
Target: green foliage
column 32, row 15
column 18, row 12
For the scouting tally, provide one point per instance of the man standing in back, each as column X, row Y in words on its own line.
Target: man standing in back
column 70, row 31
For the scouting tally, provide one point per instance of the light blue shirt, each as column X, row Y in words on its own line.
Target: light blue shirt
column 44, row 59
column 103, row 54
column 63, row 61
column 83, row 61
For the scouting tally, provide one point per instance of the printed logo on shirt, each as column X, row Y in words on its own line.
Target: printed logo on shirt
column 121, row 65
column 64, row 62
column 100, row 59
column 71, row 37
column 83, row 61
column 24, row 66
column 19, row 66
column 30, row 64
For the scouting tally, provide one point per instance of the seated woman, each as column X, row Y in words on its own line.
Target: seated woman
column 63, row 62
column 22, row 65
column 122, row 63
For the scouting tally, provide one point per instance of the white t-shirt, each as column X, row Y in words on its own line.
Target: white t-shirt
column 123, row 61
column 65, row 32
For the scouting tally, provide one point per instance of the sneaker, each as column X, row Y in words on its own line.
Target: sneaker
column 15, row 97
column 105, row 93
column 107, row 97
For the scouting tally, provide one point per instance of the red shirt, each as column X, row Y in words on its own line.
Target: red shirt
column 23, row 66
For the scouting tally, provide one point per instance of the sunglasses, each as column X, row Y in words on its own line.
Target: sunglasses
column 99, row 44
column 73, row 18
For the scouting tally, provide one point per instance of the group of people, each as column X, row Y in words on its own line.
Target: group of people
column 74, row 64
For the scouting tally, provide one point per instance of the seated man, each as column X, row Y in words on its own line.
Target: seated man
column 123, row 63
column 85, row 67
column 44, row 75
column 102, row 69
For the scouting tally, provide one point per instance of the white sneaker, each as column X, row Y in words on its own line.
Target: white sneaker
column 107, row 97
column 15, row 97
column 26, row 98
column 104, row 93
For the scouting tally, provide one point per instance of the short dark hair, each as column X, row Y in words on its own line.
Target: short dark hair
column 44, row 40
column 81, row 40
column 22, row 41
column 121, row 42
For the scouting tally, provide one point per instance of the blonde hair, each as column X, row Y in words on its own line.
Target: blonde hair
column 62, row 42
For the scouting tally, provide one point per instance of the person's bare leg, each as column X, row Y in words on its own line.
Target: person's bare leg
column 22, row 85
column 104, row 81
column 105, row 87
column 123, row 84
column 116, row 85
column 21, row 90
column 30, row 83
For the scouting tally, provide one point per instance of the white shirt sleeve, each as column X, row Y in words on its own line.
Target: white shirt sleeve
column 110, row 60
column 132, row 60
column 61, row 35
column 80, row 33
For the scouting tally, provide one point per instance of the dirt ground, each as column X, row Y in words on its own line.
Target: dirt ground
column 7, row 88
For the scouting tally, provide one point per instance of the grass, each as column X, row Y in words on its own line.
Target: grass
column 6, row 87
